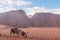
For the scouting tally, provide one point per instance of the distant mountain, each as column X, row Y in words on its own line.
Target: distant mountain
column 14, row 18
column 46, row 20
column 18, row 18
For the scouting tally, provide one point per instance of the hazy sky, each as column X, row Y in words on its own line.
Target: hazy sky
column 31, row 6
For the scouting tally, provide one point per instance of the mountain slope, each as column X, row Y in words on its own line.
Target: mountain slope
column 14, row 18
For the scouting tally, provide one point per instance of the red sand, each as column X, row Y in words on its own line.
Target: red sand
column 34, row 34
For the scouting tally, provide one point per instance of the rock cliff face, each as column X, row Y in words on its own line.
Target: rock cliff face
column 57, row 19
column 44, row 19
column 18, row 18
column 14, row 18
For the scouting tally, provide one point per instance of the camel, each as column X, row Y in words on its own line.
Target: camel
column 15, row 31
column 24, row 34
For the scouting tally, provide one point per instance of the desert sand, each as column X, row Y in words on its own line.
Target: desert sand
column 33, row 34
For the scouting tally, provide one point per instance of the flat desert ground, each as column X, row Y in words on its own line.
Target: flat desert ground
column 33, row 33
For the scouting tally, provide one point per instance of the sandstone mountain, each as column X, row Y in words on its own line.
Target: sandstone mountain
column 18, row 18
column 14, row 18
column 46, row 20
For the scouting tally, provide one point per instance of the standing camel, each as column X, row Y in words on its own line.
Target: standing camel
column 15, row 31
